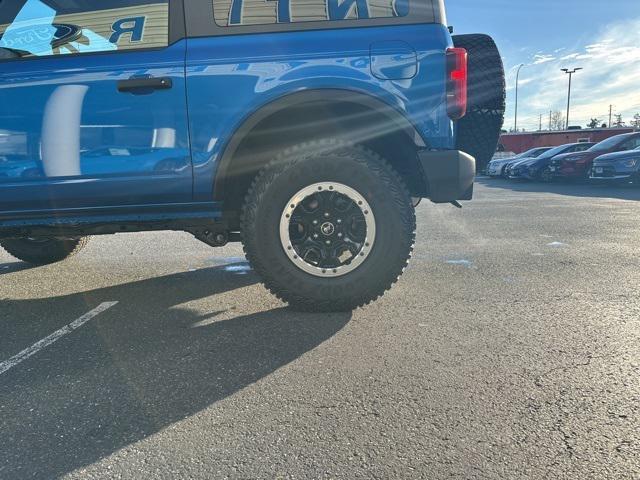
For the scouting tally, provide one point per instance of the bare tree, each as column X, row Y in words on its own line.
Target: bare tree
column 619, row 122
column 594, row 123
column 635, row 123
column 558, row 121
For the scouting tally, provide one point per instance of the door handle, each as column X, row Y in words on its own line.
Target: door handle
column 144, row 84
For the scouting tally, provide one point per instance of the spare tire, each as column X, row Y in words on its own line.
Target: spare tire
column 478, row 132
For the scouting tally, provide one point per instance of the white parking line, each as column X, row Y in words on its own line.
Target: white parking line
column 54, row 337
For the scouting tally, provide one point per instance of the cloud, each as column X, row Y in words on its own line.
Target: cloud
column 539, row 59
column 571, row 56
column 610, row 76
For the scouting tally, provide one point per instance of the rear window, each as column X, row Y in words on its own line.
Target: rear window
column 535, row 152
column 265, row 12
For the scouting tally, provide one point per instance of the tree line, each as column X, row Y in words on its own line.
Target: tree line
column 558, row 121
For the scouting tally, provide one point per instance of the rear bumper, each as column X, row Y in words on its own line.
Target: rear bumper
column 449, row 175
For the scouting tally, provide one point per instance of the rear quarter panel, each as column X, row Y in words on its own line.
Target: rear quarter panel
column 231, row 77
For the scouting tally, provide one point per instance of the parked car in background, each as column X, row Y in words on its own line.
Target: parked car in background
column 496, row 167
column 537, row 168
column 511, row 167
column 621, row 167
column 578, row 165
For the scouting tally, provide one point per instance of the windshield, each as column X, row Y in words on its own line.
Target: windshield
column 534, row 152
column 554, row 151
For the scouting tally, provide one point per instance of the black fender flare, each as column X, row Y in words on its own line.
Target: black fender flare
column 329, row 95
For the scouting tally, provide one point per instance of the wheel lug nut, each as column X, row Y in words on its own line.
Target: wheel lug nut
column 339, row 220
column 315, row 222
column 326, row 215
column 339, row 235
column 328, row 242
column 315, row 235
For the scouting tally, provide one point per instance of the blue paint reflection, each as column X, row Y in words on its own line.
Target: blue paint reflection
column 102, row 162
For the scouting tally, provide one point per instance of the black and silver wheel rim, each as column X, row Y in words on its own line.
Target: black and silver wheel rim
column 327, row 229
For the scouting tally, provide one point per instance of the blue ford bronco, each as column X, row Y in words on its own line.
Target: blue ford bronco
column 306, row 129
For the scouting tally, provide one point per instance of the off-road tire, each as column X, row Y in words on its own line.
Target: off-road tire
column 43, row 251
column 328, row 161
column 478, row 132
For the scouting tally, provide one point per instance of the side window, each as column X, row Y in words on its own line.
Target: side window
column 37, row 28
column 631, row 144
column 228, row 13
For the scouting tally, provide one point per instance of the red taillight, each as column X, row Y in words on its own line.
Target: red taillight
column 457, row 75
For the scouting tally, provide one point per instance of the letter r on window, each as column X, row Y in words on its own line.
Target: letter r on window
column 132, row 25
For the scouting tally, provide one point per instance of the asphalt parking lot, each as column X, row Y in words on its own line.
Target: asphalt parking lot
column 510, row 349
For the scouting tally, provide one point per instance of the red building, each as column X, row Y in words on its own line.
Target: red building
column 520, row 142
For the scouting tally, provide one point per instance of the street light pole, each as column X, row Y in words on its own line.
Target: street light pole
column 515, row 126
column 570, row 72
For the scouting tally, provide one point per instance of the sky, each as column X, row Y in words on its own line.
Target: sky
column 602, row 37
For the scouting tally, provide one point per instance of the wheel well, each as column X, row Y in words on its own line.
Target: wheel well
column 393, row 140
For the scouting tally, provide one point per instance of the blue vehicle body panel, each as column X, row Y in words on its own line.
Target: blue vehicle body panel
column 229, row 78
column 70, row 139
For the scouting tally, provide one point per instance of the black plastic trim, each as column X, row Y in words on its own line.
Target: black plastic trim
column 151, row 83
column 295, row 99
column 449, row 175
column 108, row 220
column 177, row 25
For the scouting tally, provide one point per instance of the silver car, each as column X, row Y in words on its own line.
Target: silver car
column 496, row 167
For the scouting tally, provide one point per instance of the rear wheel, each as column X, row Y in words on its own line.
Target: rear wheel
column 479, row 130
column 43, row 251
column 328, row 227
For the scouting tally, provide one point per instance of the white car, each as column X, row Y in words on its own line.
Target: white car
column 496, row 167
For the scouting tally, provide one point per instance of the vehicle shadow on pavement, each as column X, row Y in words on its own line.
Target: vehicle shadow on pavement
column 152, row 360
column 575, row 189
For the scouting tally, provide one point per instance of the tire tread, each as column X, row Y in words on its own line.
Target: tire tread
column 288, row 158
column 56, row 251
column 479, row 130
